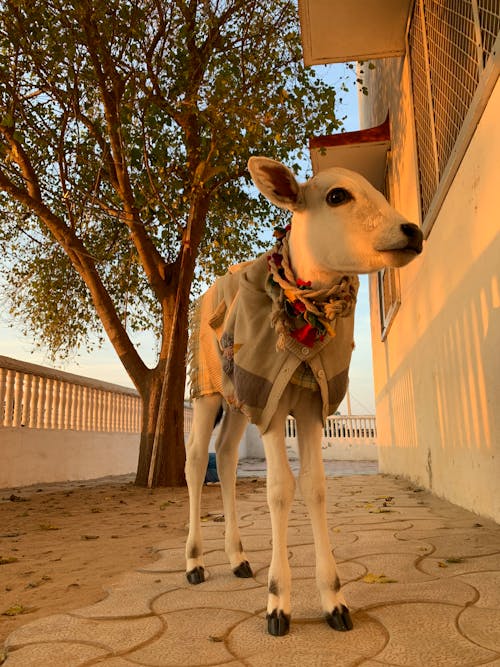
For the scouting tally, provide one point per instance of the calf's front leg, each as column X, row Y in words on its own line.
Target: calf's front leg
column 280, row 493
column 312, row 486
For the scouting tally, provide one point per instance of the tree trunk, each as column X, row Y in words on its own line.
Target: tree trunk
column 162, row 450
column 168, row 468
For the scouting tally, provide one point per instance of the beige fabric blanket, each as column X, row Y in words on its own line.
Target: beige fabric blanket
column 233, row 348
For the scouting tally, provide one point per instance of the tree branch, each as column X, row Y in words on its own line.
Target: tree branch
column 153, row 263
column 19, row 156
column 85, row 267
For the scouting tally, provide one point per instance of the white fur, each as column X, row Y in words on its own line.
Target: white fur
column 361, row 235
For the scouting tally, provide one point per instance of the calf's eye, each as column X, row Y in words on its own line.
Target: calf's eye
column 338, row 196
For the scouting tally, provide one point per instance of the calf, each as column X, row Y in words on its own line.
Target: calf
column 274, row 337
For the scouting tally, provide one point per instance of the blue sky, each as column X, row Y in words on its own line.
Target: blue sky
column 103, row 364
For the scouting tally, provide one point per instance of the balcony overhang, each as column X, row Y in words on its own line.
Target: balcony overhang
column 336, row 31
column 364, row 151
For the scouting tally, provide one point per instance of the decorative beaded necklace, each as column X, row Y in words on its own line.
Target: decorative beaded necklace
column 298, row 310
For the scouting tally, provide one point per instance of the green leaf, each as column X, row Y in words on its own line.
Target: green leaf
column 7, row 120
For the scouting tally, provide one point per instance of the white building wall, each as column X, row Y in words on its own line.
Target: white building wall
column 437, row 375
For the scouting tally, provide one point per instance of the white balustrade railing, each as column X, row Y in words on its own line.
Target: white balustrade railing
column 33, row 396
column 356, row 428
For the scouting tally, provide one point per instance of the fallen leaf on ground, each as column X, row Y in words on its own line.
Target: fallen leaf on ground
column 166, row 504
column 8, row 559
column 371, row 578
column 16, row 499
column 17, row 609
column 212, row 517
column 381, row 510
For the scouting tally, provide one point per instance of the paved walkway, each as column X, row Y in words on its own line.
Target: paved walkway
column 421, row 576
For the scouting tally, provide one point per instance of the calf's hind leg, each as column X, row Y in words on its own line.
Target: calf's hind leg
column 226, row 447
column 204, row 414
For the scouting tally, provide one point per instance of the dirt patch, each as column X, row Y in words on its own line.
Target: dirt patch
column 60, row 545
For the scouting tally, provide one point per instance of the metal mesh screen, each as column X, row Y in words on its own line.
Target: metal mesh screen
column 489, row 19
column 450, row 43
column 424, row 126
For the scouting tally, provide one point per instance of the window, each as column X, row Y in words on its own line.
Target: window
column 453, row 53
column 388, row 297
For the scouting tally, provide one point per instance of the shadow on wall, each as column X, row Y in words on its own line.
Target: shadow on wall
column 457, row 360
column 443, row 402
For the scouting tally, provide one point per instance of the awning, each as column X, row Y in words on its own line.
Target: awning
column 364, row 151
column 345, row 30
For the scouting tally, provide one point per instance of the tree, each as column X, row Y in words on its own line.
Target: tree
column 125, row 128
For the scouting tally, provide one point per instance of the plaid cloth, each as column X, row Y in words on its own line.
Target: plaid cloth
column 233, row 349
column 304, row 377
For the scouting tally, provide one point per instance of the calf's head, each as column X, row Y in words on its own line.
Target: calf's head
column 340, row 222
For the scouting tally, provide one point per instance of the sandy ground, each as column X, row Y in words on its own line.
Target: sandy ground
column 61, row 544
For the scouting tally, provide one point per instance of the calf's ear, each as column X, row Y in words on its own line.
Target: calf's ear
column 276, row 182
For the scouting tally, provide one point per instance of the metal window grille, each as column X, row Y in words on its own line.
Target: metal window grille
column 450, row 44
column 389, row 294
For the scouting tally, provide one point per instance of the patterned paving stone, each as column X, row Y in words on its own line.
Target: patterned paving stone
column 306, row 602
column 400, row 567
column 379, row 541
column 307, row 644
column 362, row 595
column 466, row 543
column 304, row 554
column 110, row 635
column 67, row 654
column 384, row 523
column 481, row 626
column 194, row 637
column 132, row 596
column 221, row 578
column 256, row 541
column 259, row 527
column 348, row 571
column 168, row 560
column 443, row 610
column 115, row 662
column 197, row 597
column 488, row 586
column 426, row 634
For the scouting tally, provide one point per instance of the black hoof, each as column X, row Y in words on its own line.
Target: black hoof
column 340, row 619
column 244, row 571
column 196, row 576
column 278, row 624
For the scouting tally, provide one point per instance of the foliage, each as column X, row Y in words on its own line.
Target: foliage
column 114, row 116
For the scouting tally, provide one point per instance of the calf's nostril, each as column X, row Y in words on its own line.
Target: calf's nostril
column 410, row 230
column 414, row 235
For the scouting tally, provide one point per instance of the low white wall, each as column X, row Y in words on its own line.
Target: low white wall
column 334, row 449
column 35, row 456
column 340, row 450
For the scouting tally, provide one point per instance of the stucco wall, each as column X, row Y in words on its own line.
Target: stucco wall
column 437, row 376
column 34, row 456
